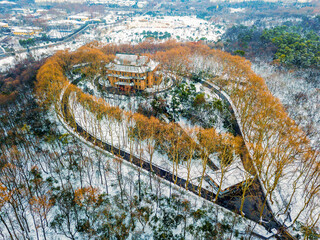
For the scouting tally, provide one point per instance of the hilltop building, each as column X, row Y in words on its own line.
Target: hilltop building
column 133, row 72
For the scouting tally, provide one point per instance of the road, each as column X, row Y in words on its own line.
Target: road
column 64, row 40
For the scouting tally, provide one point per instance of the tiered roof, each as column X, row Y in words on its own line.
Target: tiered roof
column 132, row 63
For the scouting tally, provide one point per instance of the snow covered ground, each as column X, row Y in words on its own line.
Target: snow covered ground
column 181, row 28
column 117, row 135
column 133, row 30
column 8, row 62
column 293, row 189
column 103, row 129
column 300, row 97
column 129, row 173
column 86, row 37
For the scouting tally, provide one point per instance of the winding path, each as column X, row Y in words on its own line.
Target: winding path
column 230, row 202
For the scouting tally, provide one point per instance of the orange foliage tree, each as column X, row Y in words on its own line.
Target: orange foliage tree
column 273, row 139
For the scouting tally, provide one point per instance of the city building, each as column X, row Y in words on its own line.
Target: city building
column 27, row 31
column 133, row 72
column 22, row 31
column 4, row 25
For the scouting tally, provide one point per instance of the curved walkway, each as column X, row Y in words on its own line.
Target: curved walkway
column 251, row 204
column 238, row 131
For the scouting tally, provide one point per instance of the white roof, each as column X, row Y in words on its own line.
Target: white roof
column 65, row 22
column 132, row 63
column 78, row 16
column 7, row 2
column 130, row 59
column 232, row 175
column 124, row 84
column 25, row 30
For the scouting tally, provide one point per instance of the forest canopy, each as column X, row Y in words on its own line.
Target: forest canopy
column 68, row 187
column 291, row 44
column 295, row 46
